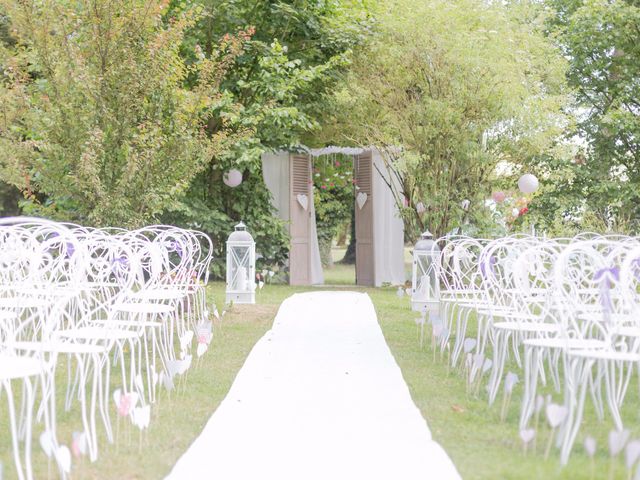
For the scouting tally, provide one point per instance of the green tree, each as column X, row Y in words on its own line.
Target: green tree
column 455, row 94
column 98, row 124
column 275, row 96
column 600, row 182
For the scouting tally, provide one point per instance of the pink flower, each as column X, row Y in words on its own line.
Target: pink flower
column 337, row 164
column 523, row 210
column 324, row 187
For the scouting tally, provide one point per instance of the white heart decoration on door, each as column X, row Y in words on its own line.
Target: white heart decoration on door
column 303, row 200
column 361, row 199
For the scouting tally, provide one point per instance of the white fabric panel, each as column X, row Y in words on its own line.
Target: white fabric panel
column 275, row 171
column 388, row 227
column 320, row 397
column 316, row 275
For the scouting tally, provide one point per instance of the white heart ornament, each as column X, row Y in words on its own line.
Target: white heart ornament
column 556, row 414
column 632, row 453
column 47, row 443
column 303, row 200
column 510, row 381
column 469, row 344
column 185, row 339
column 527, row 435
column 437, row 330
column 63, row 458
column 488, row 363
column 590, row 446
column 141, row 416
column 617, row 441
column 202, row 347
column 361, row 199
column 478, row 360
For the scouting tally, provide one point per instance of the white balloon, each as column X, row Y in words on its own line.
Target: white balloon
column 233, row 178
column 528, row 183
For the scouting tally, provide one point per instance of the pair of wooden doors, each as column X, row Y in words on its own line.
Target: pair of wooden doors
column 300, row 219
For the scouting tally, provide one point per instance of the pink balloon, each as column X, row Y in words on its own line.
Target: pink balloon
column 499, row 197
column 232, row 178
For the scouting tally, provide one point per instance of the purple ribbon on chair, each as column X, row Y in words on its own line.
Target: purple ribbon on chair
column 175, row 247
column 483, row 269
column 607, row 277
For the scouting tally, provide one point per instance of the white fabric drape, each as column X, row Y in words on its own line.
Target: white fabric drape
column 315, row 270
column 275, row 171
column 388, row 227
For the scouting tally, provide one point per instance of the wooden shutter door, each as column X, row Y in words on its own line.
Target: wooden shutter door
column 300, row 252
column 364, row 220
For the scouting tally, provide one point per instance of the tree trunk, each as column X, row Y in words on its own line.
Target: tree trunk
column 350, row 256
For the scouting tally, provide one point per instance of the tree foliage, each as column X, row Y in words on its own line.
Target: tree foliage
column 98, row 126
column 274, row 95
column 450, row 91
column 598, row 187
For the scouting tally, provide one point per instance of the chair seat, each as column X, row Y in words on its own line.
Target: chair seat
column 126, row 323
column 146, row 307
column 57, row 347
column 527, row 326
column 159, row 294
column 612, row 355
column 12, row 367
column 510, row 313
column 8, row 315
column 569, row 343
column 22, row 302
column 99, row 333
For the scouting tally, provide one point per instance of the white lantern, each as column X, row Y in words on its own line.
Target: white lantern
column 425, row 284
column 241, row 266
column 232, row 178
column 528, row 183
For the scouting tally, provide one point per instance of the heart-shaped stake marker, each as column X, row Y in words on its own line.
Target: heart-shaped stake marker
column 526, row 436
column 631, row 454
column 361, row 199
column 590, row 446
column 469, row 344
column 556, row 414
column 303, row 200
column 509, row 382
column 617, row 441
column 78, row 444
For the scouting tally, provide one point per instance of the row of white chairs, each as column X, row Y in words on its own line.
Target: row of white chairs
column 563, row 309
column 89, row 300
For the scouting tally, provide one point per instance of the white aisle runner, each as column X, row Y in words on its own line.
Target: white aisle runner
column 319, row 397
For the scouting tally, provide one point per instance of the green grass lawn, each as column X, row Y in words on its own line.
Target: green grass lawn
column 481, row 446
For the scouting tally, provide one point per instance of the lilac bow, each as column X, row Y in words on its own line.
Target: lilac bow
column 483, row 269
column 607, row 277
column 175, row 247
